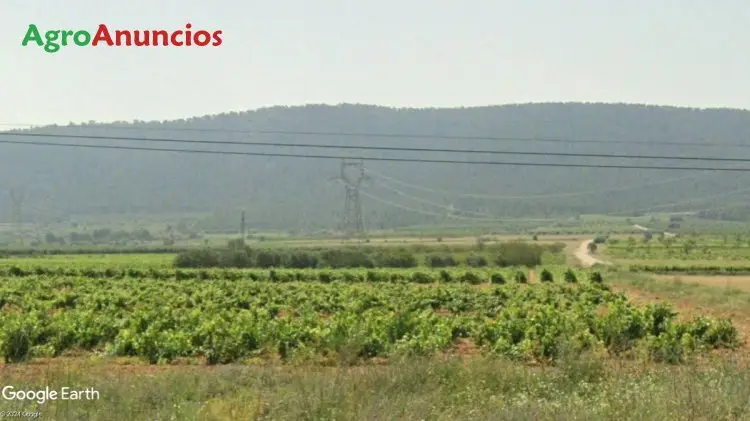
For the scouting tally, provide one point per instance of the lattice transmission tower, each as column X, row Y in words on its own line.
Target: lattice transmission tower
column 17, row 196
column 351, row 176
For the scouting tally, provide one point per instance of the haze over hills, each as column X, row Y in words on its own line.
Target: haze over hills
column 289, row 193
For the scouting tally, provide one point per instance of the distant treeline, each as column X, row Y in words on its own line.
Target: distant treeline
column 692, row 269
column 235, row 256
column 16, row 252
column 99, row 236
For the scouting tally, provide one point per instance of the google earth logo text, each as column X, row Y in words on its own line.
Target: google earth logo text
column 54, row 40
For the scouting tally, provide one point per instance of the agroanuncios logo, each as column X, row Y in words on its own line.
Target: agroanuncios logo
column 53, row 40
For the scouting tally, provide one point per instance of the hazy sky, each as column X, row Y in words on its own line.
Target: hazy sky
column 388, row 52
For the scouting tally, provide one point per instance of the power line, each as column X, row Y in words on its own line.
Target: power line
column 384, row 159
column 460, row 217
column 423, row 212
column 735, row 205
column 449, row 209
column 538, row 196
column 651, row 208
column 683, row 202
column 381, row 148
column 654, row 207
column 553, row 139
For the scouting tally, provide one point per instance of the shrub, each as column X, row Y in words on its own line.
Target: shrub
column 375, row 276
column 16, row 341
column 476, row 261
column 471, row 278
column 401, row 259
column 325, row 277
column 437, row 261
column 421, row 278
column 519, row 254
column 16, row 271
column 600, row 239
column 237, row 258
column 302, row 260
column 520, row 277
column 201, row 258
column 596, row 278
column 267, row 259
column 337, row 258
column 497, row 278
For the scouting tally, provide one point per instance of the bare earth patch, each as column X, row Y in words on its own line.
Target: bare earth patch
column 737, row 282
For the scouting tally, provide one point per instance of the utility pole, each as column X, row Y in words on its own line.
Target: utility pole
column 17, row 196
column 353, row 223
column 242, row 228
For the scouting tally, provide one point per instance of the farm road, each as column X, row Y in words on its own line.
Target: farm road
column 583, row 255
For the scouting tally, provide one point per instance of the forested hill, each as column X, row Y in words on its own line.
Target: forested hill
column 298, row 193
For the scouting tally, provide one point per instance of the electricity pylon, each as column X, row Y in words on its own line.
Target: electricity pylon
column 352, row 223
column 17, row 196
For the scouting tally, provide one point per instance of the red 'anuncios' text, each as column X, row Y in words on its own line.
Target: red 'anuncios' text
column 155, row 38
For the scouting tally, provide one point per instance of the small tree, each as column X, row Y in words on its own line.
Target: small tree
column 476, row 261
column 51, row 238
column 596, row 278
column 471, row 278
column 631, row 243
column 497, row 278
column 688, row 246
column 520, row 277
column 570, row 276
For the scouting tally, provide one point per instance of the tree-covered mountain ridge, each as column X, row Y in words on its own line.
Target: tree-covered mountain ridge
column 298, row 193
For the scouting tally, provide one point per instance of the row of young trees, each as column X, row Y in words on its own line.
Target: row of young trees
column 98, row 236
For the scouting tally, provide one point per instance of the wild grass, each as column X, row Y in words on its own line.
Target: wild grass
column 413, row 389
column 718, row 298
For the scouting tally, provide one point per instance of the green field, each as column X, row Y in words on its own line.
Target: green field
column 447, row 336
column 231, row 320
column 691, row 254
column 93, row 261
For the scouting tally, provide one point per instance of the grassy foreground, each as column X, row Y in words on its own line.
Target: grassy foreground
column 413, row 389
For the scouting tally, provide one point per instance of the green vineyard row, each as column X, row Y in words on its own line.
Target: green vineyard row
column 229, row 321
column 475, row 276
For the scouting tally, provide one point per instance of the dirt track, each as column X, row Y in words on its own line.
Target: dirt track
column 583, row 255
